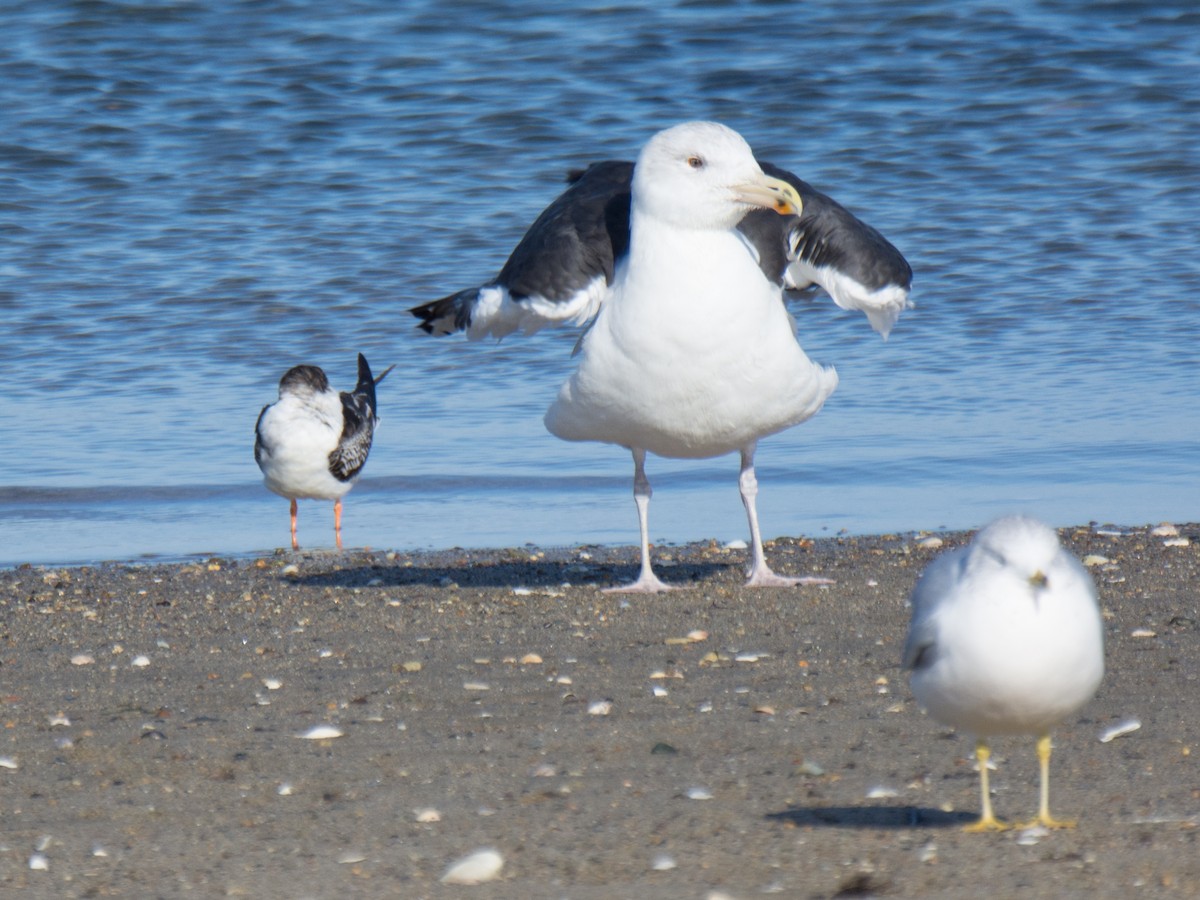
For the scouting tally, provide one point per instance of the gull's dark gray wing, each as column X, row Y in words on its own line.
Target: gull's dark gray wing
column 561, row 269
column 259, row 446
column 358, row 425
column 935, row 586
column 829, row 246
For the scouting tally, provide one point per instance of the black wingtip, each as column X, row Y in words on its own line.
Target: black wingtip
column 447, row 314
column 425, row 314
column 364, row 370
column 366, row 383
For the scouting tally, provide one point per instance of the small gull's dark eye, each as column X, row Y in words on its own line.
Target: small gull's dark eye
column 695, row 162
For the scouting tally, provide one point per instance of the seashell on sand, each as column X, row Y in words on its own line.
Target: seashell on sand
column 480, row 866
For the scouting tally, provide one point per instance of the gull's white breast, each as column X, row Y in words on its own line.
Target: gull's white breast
column 1009, row 659
column 692, row 355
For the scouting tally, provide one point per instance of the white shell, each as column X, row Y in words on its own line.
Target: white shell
column 1121, row 728
column 480, row 866
column 321, row 733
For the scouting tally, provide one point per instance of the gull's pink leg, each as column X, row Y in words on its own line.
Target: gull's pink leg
column 760, row 573
column 295, row 543
column 647, row 582
column 337, row 521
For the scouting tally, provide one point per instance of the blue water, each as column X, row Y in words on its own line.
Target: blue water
column 196, row 196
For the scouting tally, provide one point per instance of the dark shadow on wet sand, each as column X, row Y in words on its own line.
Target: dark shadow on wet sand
column 511, row 574
column 895, row 817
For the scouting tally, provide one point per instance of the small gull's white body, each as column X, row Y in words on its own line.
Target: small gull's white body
column 313, row 441
column 1006, row 638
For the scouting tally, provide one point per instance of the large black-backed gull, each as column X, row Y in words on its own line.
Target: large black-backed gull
column 679, row 264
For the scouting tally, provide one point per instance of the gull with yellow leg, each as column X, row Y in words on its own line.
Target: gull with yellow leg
column 1006, row 638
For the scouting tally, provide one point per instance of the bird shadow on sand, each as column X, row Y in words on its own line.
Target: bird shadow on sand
column 508, row 574
column 888, row 817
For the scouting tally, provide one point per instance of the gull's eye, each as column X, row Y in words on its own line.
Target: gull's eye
column 695, row 162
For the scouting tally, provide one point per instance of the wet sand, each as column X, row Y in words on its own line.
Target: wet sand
column 151, row 717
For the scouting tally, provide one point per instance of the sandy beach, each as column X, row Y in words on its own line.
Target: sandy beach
column 707, row 743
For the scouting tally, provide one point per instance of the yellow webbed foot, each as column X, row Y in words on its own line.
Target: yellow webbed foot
column 987, row 819
column 986, row 822
column 1047, row 821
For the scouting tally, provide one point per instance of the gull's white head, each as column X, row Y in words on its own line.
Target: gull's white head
column 704, row 175
column 1021, row 544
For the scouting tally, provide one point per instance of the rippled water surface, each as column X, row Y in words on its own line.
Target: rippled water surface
column 196, row 196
